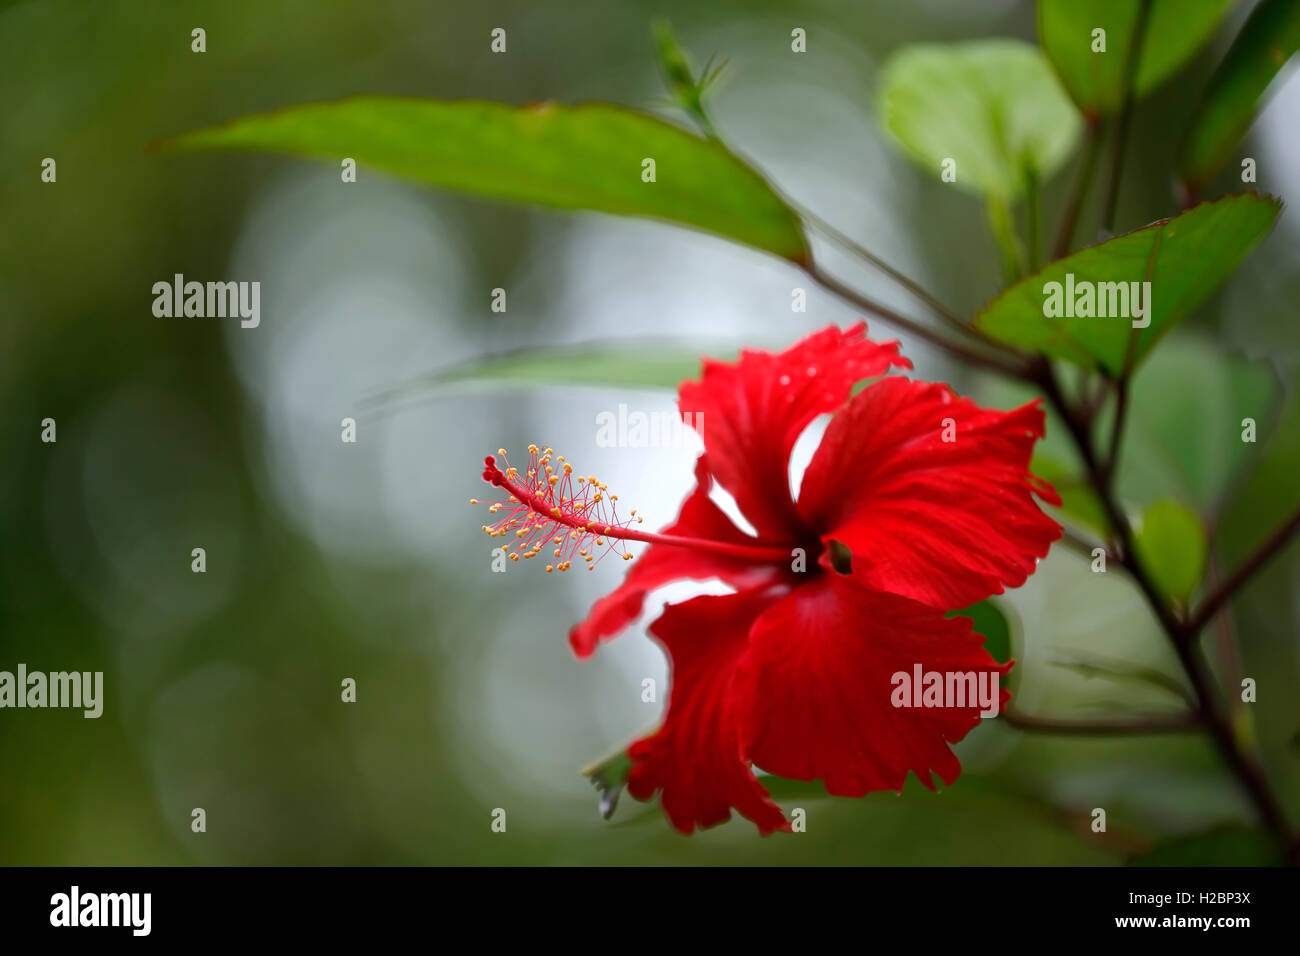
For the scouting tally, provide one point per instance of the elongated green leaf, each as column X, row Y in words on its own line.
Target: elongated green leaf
column 1184, row 259
column 1090, row 665
column 621, row 365
column 992, row 106
column 1171, row 544
column 1269, row 38
column 1175, row 30
column 569, row 157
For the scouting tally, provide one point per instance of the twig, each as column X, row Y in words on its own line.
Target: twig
column 1081, row 545
column 1032, row 217
column 1078, row 189
column 1181, row 634
column 853, row 246
column 1111, row 200
column 990, row 360
column 1245, row 571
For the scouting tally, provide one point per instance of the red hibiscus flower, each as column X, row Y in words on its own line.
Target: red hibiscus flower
column 916, row 502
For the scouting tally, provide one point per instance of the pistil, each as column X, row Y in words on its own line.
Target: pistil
column 575, row 516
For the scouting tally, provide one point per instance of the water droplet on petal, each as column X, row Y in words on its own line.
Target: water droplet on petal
column 784, row 380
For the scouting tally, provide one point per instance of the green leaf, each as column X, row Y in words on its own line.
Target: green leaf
column 1185, row 259
column 1172, row 547
column 993, row 106
column 1090, row 665
column 1230, row 845
column 1269, row 38
column 989, row 620
column 620, row 365
column 1272, row 491
column 1186, row 408
column 1175, row 30
column 568, row 157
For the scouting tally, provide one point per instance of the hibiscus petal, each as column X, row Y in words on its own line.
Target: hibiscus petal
column 693, row 759
column 659, row 565
column 754, row 410
column 945, row 522
column 815, row 688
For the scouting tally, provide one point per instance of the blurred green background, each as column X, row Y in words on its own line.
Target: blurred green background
column 327, row 560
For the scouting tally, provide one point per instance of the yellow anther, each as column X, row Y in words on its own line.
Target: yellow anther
column 532, row 450
column 501, row 452
column 473, row 501
column 550, row 568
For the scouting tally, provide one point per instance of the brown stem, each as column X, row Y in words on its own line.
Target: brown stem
column 1111, row 200
column 998, row 362
column 1078, row 190
column 862, row 252
column 1082, row 545
column 1182, row 633
column 1245, row 571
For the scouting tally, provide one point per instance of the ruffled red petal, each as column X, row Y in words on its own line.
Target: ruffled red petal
column 693, row 760
column 754, row 410
column 946, row 522
column 659, row 565
column 816, row 688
